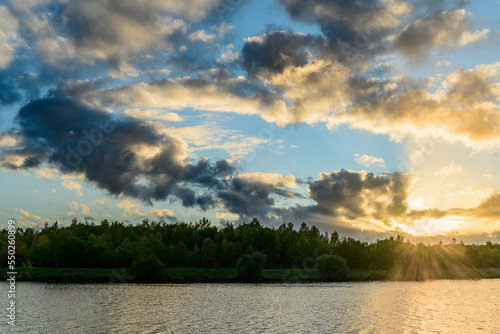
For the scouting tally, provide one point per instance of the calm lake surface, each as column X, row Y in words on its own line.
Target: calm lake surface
column 441, row 306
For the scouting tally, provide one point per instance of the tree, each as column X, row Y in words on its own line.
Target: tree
column 147, row 268
column 332, row 268
column 249, row 267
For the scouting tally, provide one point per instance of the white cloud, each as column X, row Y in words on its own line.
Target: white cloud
column 125, row 203
column 135, row 212
column 274, row 179
column 443, row 63
column 26, row 214
column 201, row 35
column 451, row 169
column 71, row 185
column 468, row 37
column 82, row 208
column 151, row 114
column 100, row 201
column 463, row 109
column 212, row 136
column 130, row 208
column 227, row 216
column 50, row 173
column 368, row 160
column 9, row 140
column 161, row 213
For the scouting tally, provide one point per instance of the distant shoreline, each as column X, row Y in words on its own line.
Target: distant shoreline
column 222, row 275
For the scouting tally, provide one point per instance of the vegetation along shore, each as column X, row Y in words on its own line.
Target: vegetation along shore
column 201, row 252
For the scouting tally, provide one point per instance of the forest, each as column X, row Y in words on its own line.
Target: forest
column 203, row 245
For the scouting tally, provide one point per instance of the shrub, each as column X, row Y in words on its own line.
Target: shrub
column 332, row 268
column 148, row 269
column 249, row 267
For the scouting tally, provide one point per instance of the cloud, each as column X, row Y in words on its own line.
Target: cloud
column 26, row 214
column 155, row 114
column 272, row 52
column 71, row 185
column 9, row 139
column 350, row 200
column 464, row 109
column 101, row 201
column 126, row 204
column 437, row 30
column 212, row 135
column 162, row 213
column 48, row 173
column 368, row 160
column 360, row 194
column 56, row 51
column 462, row 221
column 451, row 169
column 227, row 216
column 201, row 35
column 275, row 179
column 310, row 86
column 210, row 93
column 292, row 79
column 355, row 30
column 74, row 36
column 130, row 207
column 76, row 139
column 8, row 36
column 489, row 207
column 115, row 31
column 252, row 195
column 81, row 208
column 134, row 212
column 468, row 37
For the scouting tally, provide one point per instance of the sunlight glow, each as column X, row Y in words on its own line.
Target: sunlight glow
column 431, row 226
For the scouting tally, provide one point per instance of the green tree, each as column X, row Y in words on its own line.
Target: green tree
column 249, row 267
column 332, row 268
column 147, row 268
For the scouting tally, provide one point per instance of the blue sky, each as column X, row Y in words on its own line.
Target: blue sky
column 370, row 118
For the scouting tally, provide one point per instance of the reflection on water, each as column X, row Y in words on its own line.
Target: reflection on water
column 441, row 306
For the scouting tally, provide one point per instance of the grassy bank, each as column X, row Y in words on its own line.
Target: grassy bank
column 221, row 275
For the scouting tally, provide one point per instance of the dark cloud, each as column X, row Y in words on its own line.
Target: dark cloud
column 112, row 153
column 354, row 30
column 274, row 51
column 360, row 194
column 108, row 151
column 8, row 92
column 442, row 29
column 251, row 198
column 341, row 197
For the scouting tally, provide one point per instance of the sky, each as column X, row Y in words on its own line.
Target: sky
column 369, row 117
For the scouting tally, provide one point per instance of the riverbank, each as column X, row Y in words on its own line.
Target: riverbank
column 220, row 275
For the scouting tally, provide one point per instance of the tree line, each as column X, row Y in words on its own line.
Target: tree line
column 203, row 245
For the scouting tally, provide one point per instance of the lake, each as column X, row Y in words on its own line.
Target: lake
column 440, row 306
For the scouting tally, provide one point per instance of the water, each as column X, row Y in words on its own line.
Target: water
column 441, row 306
